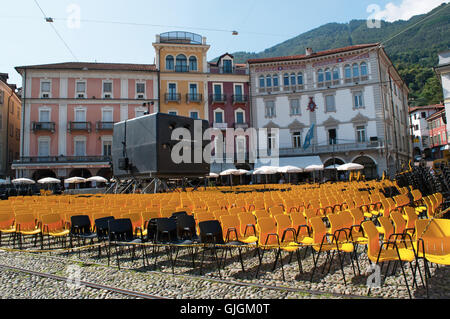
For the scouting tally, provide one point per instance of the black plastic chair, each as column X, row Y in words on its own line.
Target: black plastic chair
column 121, row 235
column 211, row 235
column 80, row 229
column 178, row 214
column 102, row 230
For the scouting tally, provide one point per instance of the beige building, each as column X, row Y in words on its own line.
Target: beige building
column 10, row 115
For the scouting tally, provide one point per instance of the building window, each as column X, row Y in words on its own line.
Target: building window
column 269, row 81
column 286, row 80
column 358, row 100
column 363, row 69
column 181, row 63
column 173, row 113
column 332, row 136
column 140, row 90
column 328, row 75
column 300, row 78
column 262, row 81
column 45, row 89
column 44, row 147
column 271, row 141
column 107, row 90
column 107, row 147
column 320, row 76
column 330, row 105
column 218, row 117
column 169, row 63
column 336, row 74
column 193, row 63
column 355, row 70
column 17, row 134
column 80, row 89
column 80, row 147
column 270, row 109
column 295, row 107
column 424, row 115
column 44, row 115
column 275, row 80
column 240, row 117
column 297, row 139
column 361, row 134
column 107, row 115
column 11, row 130
column 227, row 66
column 240, row 146
column 293, row 79
column 194, row 115
column 80, row 115
column 348, row 72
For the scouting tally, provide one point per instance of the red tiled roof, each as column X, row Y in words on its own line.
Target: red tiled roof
column 83, row 66
column 426, row 107
column 436, row 115
column 315, row 54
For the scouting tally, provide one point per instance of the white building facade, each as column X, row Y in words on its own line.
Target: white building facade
column 443, row 71
column 352, row 98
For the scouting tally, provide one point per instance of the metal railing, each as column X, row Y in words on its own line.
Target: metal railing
column 218, row 98
column 240, row 99
column 62, row 159
column 79, row 126
column 104, row 126
column 228, row 70
column 173, row 97
column 44, row 126
column 194, row 97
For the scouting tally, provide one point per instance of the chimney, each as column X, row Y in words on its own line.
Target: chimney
column 309, row 51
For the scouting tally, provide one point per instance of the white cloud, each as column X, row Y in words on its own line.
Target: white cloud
column 406, row 9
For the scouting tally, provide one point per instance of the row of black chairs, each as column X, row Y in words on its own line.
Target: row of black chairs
column 171, row 234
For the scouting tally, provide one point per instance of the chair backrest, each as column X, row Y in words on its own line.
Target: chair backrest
column 52, row 222
column 411, row 217
column 211, row 232
column 374, row 239
column 299, row 220
column 120, row 229
column 230, row 227
column 318, row 228
column 166, row 230
column 80, row 224
column 178, row 214
column 247, row 224
column 186, row 227
column 387, row 226
column 102, row 226
column 399, row 222
column 283, row 224
column 266, row 227
column 6, row 220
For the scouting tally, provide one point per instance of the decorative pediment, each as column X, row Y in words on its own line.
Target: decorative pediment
column 296, row 125
column 359, row 118
column 271, row 125
column 331, row 122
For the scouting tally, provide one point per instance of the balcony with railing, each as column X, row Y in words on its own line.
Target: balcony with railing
column 221, row 126
column 79, row 126
column 240, row 99
column 194, row 98
column 44, row 126
column 104, row 126
column 62, row 159
column 244, row 126
column 218, row 98
column 228, row 70
column 326, row 149
column 173, row 97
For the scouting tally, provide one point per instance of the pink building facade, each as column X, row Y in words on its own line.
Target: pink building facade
column 69, row 110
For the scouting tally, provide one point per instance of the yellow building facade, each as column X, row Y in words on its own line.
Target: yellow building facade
column 181, row 58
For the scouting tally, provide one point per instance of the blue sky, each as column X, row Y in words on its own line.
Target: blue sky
column 28, row 39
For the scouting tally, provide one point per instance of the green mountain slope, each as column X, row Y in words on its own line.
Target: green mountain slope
column 414, row 51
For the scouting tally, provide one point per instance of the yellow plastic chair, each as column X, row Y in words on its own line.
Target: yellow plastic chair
column 53, row 226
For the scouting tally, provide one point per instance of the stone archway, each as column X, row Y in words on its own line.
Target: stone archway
column 105, row 172
column 370, row 167
column 80, row 172
column 40, row 174
column 331, row 174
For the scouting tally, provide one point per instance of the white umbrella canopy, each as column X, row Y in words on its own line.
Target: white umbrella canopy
column 23, row 181
column 229, row 172
column 314, row 168
column 290, row 169
column 49, row 180
column 335, row 166
column 213, row 175
column 97, row 179
column 241, row 172
column 266, row 170
column 75, row 180
column 350, row 167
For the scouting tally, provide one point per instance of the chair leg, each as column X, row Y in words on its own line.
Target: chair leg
column 299, row 261
column 260, row 258
column 315, row 265
column 406, row 279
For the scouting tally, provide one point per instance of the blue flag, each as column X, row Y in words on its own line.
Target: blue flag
column 308, row 138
